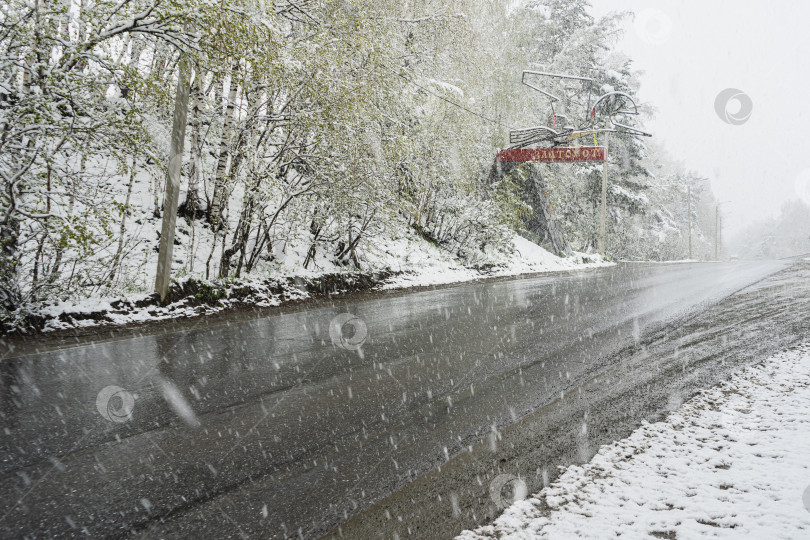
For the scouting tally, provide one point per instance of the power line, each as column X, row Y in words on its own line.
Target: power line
column 450, row 101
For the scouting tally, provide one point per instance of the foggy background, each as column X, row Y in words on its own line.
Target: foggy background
column 692, row 50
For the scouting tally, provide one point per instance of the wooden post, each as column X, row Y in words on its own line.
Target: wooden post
column 604, row 200
column 172, row 193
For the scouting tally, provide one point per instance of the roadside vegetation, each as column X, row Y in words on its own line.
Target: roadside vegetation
column 322, row 136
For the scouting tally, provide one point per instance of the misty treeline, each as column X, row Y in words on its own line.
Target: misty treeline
column 786, row 234
column 329, row 125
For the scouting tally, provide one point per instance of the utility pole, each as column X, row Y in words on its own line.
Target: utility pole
column 172, row 193
column 716, row 229
column 689, row 212
column 719, row 236
column 717, row 226
column 604, row 199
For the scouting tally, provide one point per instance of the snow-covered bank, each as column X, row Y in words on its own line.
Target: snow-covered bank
column 400, row 263
column 730, row 463
column 429, row 265
column 679, row 261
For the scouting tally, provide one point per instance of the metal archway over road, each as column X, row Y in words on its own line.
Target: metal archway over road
column 606, row 108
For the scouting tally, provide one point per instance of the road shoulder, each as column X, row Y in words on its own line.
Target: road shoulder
column 731, row 461
column 643, row 382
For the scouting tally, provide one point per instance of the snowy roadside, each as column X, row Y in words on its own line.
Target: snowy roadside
column 429, row 265
column 401, row 263
column 680, row 261
column 733, row 462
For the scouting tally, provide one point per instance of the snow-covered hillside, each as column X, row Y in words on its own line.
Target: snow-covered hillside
column 316, row 139
column 408, row 261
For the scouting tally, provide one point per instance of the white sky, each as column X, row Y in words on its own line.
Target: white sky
column 759, row 47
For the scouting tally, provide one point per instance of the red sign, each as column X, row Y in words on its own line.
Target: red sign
column 552, row 155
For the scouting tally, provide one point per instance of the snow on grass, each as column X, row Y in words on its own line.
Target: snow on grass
column 678, row 261
column 136, row 308
column 92, row 296
column 734, row 462
column 417, row 261
column 398, row 249
column 426, row 264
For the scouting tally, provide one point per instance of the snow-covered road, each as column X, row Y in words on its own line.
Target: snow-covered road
column 279, row 424
column 733, row 462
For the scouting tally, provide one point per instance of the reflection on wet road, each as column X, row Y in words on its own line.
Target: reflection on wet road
column 288, row 424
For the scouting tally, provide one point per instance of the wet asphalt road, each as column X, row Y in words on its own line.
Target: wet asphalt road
column 266, row 428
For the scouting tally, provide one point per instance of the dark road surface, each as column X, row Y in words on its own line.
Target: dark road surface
column 266, row 428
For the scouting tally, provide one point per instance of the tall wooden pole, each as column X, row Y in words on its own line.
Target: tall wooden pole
column 689, row 212
column 716, row 231
column 172, row 193
column 604, row 200
column 719, row 236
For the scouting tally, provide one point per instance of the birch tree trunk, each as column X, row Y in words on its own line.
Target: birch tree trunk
column 191, row 206
column 116, row 263
column 224, row 154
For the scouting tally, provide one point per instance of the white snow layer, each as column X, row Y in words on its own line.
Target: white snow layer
column 426, row 264
column 422, row 264
column 731, row 463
